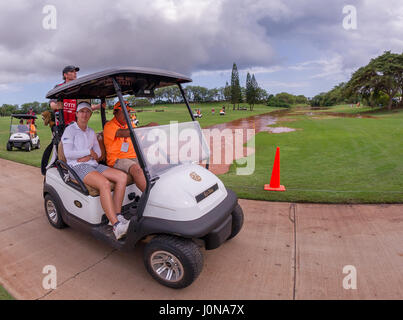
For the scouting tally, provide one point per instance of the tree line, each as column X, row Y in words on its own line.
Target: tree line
column 378, row 84
column 37, row 107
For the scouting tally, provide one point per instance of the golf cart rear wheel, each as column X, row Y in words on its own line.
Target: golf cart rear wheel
column 52, row 210
column 237, row 221
column 9, row 146
column 27, row 146
column 172, row 261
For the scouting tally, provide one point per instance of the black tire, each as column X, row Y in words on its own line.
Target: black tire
column 183, row 256
column 52, row 210
column 27, row 146
column 9, row 146
column 237, row 221
column 38, row 146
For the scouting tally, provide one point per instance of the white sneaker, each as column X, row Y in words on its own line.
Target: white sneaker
column 121, row 219
column 120, row 230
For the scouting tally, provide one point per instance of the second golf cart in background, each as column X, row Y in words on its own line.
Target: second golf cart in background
column 184, row 206
column 197, row 113
column 23, row 136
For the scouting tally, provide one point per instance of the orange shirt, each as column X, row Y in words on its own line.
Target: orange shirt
column 32, row 129
column 113, row 144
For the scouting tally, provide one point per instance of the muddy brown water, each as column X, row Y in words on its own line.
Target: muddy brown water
column 257, row 122
column 238, row 129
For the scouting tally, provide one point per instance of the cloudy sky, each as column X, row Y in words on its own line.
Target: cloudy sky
column 298, row 46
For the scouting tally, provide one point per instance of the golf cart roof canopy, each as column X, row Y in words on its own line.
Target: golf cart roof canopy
column 23, row 116
column 138, row 81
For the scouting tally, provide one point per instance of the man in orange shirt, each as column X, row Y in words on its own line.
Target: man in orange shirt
column 32, row 130
column 120, row 152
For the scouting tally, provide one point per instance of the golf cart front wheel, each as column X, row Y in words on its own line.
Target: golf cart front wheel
column 172, row 261
column 53, row 214
column 27, row 147
column 38, row 145
column 237, row 221
column 9, row 146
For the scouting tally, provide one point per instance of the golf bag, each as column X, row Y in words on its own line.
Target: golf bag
column 57, row 132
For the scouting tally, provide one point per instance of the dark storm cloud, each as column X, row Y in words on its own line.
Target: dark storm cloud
column 101, row 34
column 188, row 36
column 320, row 24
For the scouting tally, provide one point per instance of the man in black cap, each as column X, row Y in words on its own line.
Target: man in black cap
column 70, row 73
column 69, row 106
column 32, row 113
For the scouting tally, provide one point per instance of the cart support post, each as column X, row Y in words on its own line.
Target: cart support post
column 140, row 156
column 186, row 101
column 103, row 116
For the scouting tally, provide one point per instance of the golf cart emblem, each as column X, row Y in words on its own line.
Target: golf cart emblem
column 195, row 176
column 78, row 204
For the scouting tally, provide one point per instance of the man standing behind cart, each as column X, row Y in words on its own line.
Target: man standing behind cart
column 69, row 106
column 31, row 113
column 120, row 152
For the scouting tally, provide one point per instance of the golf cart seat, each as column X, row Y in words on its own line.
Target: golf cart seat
column 92, row 191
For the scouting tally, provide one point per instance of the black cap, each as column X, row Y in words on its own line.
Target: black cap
column 70, row 68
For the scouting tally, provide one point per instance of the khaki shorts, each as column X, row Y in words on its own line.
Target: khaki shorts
column 125, row 164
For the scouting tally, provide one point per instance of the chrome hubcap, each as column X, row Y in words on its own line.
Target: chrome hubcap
column 167, row 266
column 51, row 210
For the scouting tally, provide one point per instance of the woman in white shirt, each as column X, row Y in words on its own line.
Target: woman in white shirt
column 82, row 151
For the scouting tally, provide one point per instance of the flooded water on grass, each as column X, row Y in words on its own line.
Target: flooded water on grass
column 239, row 129
column 258, row 122
column 261, row 123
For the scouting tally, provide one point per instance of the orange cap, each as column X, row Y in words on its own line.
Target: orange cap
column 118, row 107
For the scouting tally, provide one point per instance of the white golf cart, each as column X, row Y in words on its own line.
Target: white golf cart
column 197, row 114
column 21, row 135
column 184, row 206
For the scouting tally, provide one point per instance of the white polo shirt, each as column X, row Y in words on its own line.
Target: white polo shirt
column 78, row 143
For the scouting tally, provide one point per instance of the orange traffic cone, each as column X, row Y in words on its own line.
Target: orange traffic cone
column 275, row 175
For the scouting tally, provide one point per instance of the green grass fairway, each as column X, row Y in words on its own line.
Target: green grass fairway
column 334, row 160
column 4, row 295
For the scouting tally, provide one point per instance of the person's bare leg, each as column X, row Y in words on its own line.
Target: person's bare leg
column 120, row 180
column 101, row 183
column 138, row 176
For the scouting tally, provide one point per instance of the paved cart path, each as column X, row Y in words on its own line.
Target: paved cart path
column 285, row 251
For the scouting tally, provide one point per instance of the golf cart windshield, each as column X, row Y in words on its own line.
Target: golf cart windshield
column 19, row 128
column 168, row 146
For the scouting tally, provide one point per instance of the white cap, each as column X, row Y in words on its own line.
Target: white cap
column 83, row 105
